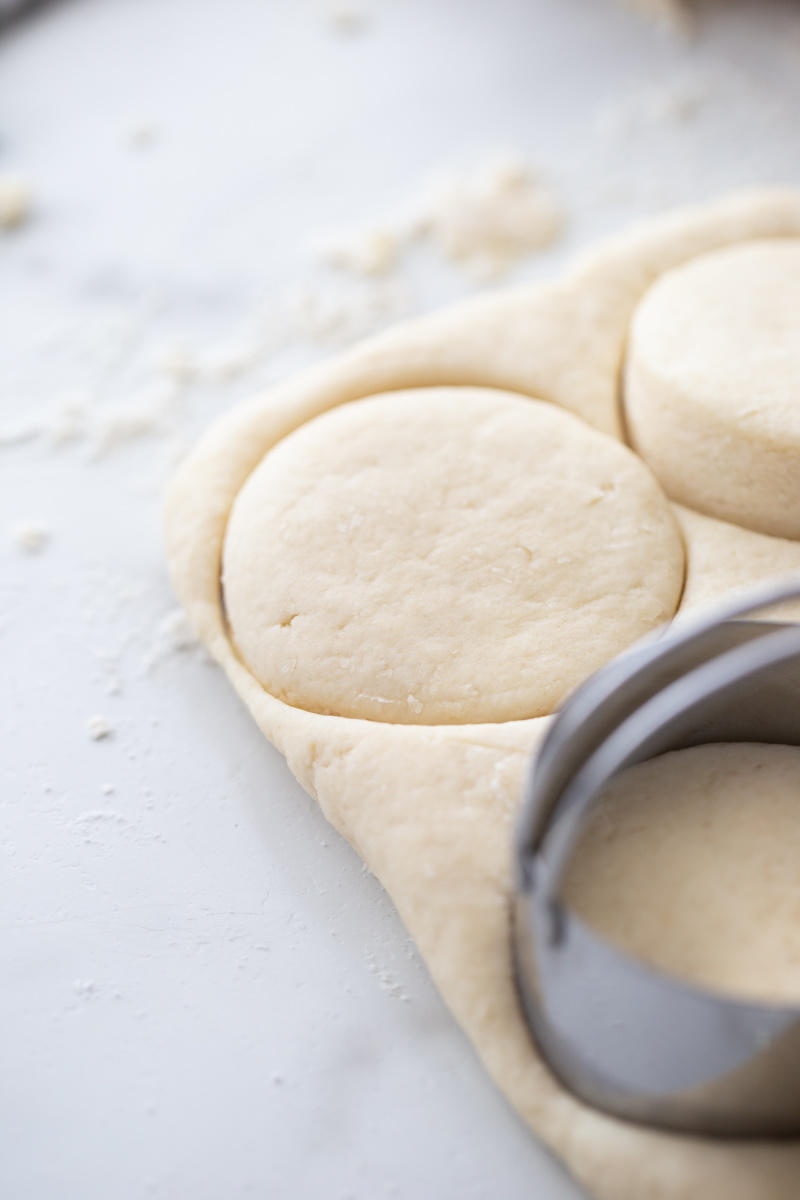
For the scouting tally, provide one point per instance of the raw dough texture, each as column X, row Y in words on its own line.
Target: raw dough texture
column 445, row 555
column 708, row 841
column 431, row 807
column 713, row 379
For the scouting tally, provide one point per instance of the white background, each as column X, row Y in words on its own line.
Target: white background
column 202, row 993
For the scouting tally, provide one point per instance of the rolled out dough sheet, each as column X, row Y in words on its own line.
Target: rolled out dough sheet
column 430, row 806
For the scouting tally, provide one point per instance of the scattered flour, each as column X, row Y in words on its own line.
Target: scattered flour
column 387, row 982
column 104, row 427
column 173, row 635
column 15, row 201
column 31, row 536
column 675, row 102
column 153, row 412
column 177, row 630
column 67, row 419
column 484, row 222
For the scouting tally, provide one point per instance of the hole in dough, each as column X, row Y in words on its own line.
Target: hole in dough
column 692, row 862
column 452, row 555
column 712, row 391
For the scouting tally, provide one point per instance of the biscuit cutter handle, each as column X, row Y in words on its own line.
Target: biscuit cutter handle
column 622, row 1035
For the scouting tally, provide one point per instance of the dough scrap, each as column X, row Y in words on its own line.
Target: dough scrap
column 712, row 381
column 445, row 556
column 430, row 808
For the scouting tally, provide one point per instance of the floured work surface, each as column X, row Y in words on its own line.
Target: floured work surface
column 402, row 589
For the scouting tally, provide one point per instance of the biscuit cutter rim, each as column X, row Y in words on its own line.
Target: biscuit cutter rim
column 630, row 1039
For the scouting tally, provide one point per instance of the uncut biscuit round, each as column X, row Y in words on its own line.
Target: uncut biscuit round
column 445, row 555
column 712, row 391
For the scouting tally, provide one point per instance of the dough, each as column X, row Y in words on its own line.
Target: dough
column 431, row 807
column 725, row 560
column 445, row 555
column 712, row 384
column 708, row 840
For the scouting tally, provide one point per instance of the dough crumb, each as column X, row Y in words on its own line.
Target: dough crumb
column 178, row 631
column 346, row 18
column 107, row 789
column 31, row 536
column 179, row 364
column 67, row 419
column 369, row 253
column 484, row 222
column 15, row 201
column 98, row 727
column 487, row 221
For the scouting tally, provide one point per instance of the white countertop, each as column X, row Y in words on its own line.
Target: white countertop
column 203, row 994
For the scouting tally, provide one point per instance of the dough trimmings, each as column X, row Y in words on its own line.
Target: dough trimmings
column 445, row 556
column 431, row 808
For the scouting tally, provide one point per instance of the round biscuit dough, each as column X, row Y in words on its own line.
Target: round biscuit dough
column 691, row 861
column 712, row 392
column 445, row 555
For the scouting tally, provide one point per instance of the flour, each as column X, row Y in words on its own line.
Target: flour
column 482, row 221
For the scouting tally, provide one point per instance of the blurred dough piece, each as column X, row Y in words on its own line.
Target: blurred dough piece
column 712, row 391
column 692, row 862
column 446, row 555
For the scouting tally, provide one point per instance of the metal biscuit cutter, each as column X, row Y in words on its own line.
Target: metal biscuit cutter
column 623, row 1036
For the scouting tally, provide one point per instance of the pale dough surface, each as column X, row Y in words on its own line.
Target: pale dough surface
column 431, row 808
column 445, row 556
column 707, row 841
column 712, row 384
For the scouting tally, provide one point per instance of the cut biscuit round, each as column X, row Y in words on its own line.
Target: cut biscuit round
column 713, row 380
column 691, row 862
column 445, row 555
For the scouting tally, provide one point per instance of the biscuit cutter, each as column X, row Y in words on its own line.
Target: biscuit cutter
column 628, row 1038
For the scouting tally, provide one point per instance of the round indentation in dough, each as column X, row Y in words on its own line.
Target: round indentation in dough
column 692, row 862
column 712, row 391
column 445, row 555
